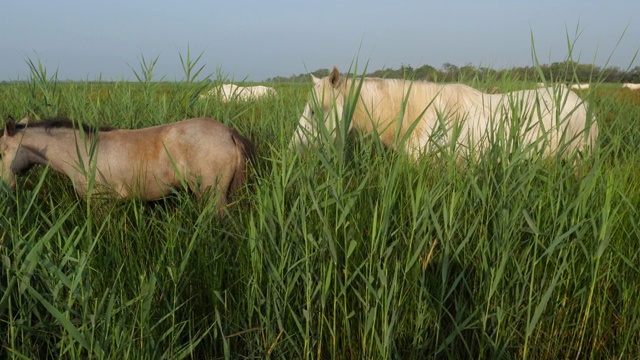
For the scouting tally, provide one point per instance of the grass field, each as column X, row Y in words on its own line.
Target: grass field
column 347, row 252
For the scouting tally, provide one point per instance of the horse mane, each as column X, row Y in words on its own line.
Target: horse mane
column 63, row 123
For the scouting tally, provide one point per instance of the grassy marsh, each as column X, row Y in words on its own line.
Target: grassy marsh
column 353, row 255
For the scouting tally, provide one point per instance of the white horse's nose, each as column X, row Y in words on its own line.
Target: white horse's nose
column 301, row 135
column 299, row 139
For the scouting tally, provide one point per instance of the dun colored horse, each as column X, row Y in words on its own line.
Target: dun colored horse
column 429, row 115
column 145, row 163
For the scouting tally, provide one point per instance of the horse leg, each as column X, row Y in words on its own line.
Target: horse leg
column 416, row 145
column 208, row 191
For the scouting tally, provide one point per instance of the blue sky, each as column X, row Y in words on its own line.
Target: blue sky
column 260, row 39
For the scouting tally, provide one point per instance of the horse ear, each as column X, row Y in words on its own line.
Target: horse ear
column 9, row 126
column 25, row 120
column 334, row 77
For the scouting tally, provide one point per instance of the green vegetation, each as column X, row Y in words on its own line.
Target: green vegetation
column 348, row 251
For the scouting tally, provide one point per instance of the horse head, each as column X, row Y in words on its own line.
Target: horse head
column 15, row 158
column 323, row 110
column 8, row 149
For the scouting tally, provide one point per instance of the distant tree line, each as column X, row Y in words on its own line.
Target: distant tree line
column 565, row 72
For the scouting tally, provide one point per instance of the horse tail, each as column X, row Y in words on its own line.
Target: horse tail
column 246, row 153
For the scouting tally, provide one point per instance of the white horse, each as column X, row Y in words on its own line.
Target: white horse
column 580, row 86
column 631, row 86
column 548, row 118
column 229, row 92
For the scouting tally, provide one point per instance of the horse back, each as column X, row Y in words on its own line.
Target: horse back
column 382, row 101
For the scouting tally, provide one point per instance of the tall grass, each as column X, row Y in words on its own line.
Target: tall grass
column 348, row 251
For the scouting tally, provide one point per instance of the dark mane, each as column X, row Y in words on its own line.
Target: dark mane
column 63, row 123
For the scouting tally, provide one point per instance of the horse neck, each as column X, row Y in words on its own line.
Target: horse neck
column 59, row 147
column 384, row 99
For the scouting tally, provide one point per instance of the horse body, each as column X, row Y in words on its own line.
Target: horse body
column 580, row 86
column 631, row 86
column 144, row 163
column 229, row 92
column 390, row 108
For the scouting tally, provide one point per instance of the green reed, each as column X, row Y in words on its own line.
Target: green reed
column 350, row 250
